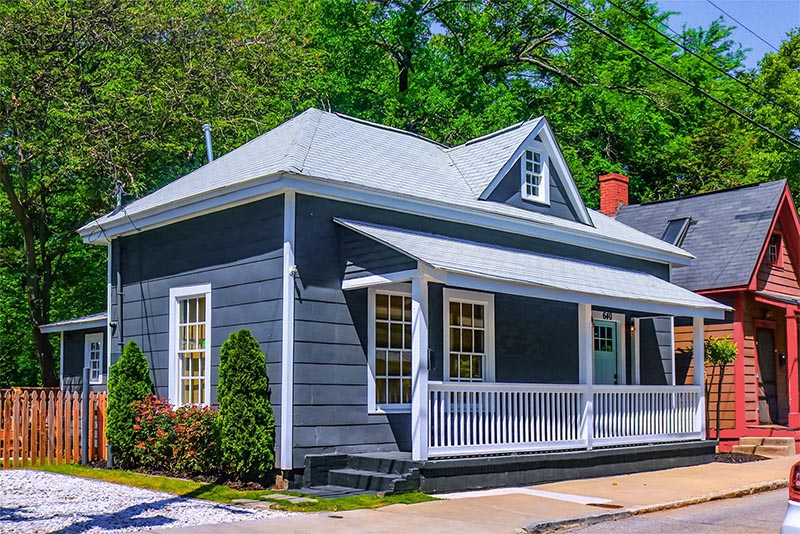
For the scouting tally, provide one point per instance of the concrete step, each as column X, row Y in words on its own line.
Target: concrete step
column 779, row 442
column 751, row 441
column 774, row 451
column 379, row 463
column 364, row 480
column 744, row 449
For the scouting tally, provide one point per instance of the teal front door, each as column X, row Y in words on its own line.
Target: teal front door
column 605, row 352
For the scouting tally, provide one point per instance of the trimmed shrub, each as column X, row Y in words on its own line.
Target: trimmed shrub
column 245, row 422
column 128, row 382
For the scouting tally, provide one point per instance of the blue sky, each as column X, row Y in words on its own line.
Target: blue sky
column 770, row 19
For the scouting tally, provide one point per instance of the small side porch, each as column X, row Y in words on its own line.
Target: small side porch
column 458, row 403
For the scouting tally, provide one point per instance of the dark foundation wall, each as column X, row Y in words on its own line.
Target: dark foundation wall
column 238, row 251
column 74, row 360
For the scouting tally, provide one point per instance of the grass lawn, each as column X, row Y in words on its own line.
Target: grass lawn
column 224, row 494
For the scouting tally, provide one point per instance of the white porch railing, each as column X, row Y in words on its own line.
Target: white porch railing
column 473, row 418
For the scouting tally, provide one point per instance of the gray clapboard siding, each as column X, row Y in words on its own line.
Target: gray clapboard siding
column 238, row 251
column 363, row 258
column 75, row 358
column 655, row 351
column 509, row 191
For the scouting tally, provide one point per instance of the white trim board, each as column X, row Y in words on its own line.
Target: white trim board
column 285, row 460
column 273, row 185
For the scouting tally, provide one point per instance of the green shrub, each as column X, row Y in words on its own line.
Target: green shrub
column 246, row 424
column 128, row 382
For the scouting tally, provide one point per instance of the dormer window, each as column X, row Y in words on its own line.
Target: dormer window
column 535, row 186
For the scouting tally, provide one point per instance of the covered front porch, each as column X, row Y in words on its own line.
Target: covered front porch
column 457, row 404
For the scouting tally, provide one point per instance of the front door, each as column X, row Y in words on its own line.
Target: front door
column 605, row 352
column 767, row 377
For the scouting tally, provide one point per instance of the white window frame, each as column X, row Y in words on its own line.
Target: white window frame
column 373, row 406
column 176, row 293
column 544, row 188
column 472, row 297
column 622, row 357
column 88, row 339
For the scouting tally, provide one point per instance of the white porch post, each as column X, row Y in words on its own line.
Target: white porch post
column 419, row 368
column 586, row 372
column 698, row 340
column 636, row 366
column 287, row 334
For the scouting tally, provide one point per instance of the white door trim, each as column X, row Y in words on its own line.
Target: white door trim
column 619, row 319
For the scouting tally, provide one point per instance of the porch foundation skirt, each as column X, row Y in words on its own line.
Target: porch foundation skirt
column 462, row 474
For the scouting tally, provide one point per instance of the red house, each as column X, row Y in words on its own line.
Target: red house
column 747, row 244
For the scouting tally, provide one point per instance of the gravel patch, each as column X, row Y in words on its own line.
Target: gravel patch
column 37, row 501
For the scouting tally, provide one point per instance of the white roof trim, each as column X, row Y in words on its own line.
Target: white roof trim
column 493, row 268
column 564, row 174
column 98, row 320
column 274, row 185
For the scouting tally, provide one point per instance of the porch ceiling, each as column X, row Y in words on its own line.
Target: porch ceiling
column 494, row 268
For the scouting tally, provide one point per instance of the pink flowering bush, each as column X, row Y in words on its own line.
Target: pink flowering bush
column 180, row 441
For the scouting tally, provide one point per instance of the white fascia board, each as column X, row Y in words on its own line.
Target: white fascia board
column 277, row 184
column 378, row 279
column 529, row 290
column 72, row 326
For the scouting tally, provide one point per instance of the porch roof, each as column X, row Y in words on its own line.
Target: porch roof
column 96, row 320
column 483, row 266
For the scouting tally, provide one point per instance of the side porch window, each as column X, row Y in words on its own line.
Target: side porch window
column 190, row 346
column 93, row 357
column 469, row 335
column 389, row 350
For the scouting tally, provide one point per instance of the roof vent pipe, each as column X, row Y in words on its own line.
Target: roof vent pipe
column 209, row 150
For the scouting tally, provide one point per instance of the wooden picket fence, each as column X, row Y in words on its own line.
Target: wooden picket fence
column 43, row 427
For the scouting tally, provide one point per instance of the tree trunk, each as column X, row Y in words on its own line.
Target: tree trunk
column 719, row 394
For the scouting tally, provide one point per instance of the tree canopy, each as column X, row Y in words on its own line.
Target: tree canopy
column 95, row 92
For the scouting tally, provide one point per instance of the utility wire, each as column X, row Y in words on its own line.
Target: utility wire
column 672, row 74
column 704, row 60
column 743, row 26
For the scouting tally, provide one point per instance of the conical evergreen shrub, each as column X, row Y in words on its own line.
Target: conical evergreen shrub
column 128, row 382
column 246, row 424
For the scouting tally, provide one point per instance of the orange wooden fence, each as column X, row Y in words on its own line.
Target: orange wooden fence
column 41, row 427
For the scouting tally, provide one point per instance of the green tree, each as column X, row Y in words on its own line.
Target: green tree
column 246, row 423
column 128, row 382
column 94, row 92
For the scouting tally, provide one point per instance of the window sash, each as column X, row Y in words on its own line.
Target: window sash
column 190, row 345
column 390, row 349
column 469, row 336
column 93, row 351
column 534, row 182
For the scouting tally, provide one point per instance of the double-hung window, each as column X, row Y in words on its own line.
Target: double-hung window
column 389, row 350
column 190, row 346
column 535, row 176
column 469, row 338
column 93, row 357
column 774, row 251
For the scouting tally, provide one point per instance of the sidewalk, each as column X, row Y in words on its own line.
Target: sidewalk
column 538, row 508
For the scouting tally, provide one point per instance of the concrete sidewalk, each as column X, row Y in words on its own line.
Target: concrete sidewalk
column 539, row 508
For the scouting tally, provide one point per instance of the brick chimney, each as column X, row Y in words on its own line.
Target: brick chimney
column 613, row 193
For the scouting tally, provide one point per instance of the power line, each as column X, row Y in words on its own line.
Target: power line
column 672, row 74
column 704, row 60
column 743, row 26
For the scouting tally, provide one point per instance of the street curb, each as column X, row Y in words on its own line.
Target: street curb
column 547, row 527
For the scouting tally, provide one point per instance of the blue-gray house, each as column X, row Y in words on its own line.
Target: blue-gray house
column 446, row 302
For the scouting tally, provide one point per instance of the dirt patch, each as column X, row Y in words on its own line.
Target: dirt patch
column 737, row 458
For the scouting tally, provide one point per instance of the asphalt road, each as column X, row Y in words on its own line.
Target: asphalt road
column 746, row 515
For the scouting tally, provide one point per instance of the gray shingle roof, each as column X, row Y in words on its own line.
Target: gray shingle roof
column 639, row 290
column 726, row 233
column 335, row 148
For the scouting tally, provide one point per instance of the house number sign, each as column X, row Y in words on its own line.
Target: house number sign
column 607, row 316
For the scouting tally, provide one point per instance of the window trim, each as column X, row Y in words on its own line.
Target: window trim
column 544, row 196
column 175, row 293
column 473, row 297
column 373, row 407
column 779, row 259
column 88, row 339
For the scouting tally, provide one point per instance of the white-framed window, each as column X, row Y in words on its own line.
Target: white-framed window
column 469, row 336
column 389, row 338
column 774, row 251
column 535, row 176
column 93, row 357
column 190, row 345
